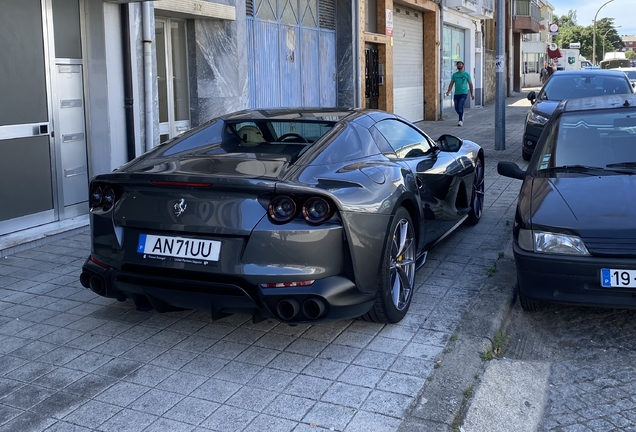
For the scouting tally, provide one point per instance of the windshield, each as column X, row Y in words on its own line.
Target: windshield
column 631, row 75
column 572, row 86
column 595, row 139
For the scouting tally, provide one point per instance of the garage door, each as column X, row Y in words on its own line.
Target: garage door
column 408, row 63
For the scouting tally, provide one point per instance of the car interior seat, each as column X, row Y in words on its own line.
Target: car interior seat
column 583, row 146
column 251, row 136
column 610, row 85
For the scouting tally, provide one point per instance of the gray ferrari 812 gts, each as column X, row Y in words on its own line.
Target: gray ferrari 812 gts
column 303, row 215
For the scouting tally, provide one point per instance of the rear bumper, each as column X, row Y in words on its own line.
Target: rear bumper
column 571, row 280
column 330, row 298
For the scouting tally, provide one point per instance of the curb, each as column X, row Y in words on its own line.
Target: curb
column 445, row 397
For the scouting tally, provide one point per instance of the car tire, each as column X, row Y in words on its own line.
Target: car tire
column 529, row 304
column 477, row 197
column 526, row 156
column 397, row 272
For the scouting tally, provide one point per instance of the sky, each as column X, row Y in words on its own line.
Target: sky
column 621, row 10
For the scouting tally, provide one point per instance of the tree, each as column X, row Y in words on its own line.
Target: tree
column 607, row 38
column 568, row 20
column 576, row 33
column 630, row 55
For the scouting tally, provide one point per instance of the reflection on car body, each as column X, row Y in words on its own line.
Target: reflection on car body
column 303, row 215
column 575, row 224
column 564, row 85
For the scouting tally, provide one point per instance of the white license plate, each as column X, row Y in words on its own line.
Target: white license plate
column 179, row 247
column 614, row 278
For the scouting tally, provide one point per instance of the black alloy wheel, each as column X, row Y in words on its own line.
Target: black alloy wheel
column 477, row 198
column 397, row 275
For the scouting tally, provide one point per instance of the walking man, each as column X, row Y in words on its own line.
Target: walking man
column 463, row 83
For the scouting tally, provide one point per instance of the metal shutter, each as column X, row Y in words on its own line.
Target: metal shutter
column 408, row 63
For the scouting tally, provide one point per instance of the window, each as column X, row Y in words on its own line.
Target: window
column 172, row 77
column 405, row 141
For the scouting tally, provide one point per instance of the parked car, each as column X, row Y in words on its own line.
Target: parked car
column 568, row 85
column 574, row 234
column 631, row 73
column 300, row 215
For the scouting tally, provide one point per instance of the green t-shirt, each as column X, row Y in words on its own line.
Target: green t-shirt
column 461, row 80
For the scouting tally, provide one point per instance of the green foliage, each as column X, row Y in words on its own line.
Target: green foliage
column 607, row 38
column 630, row 55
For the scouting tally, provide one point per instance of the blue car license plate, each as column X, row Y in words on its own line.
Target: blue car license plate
column 613, row 278
column 178, row 247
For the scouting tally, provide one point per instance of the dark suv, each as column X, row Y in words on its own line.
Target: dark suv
column 570, row 84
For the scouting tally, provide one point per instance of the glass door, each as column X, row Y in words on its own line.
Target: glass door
column 26, row 170
column 454, row 49
column 172, row 77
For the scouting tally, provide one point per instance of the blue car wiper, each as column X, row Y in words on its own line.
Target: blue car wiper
column 583, row 169
column 622, row 165
column 573, row 168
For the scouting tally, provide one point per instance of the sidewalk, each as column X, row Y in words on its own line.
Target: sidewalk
column 444, row 399
column 73, row 361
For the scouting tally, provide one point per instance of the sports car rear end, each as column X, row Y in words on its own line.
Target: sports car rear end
column 215, row 227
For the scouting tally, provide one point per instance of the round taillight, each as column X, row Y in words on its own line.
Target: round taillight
column 108, row 198
column 316, row 210
column 282, row 209
column 96, row 196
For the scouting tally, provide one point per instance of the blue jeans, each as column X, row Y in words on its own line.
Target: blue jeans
column 460, row 99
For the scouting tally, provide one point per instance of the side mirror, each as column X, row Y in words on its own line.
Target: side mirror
column 510, row 169
column 449, row 143
column 532, row 96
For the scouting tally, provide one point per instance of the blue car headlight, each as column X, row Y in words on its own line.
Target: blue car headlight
column 537, row 118
column 551, row 243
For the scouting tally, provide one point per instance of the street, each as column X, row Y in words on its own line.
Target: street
column 584, row 359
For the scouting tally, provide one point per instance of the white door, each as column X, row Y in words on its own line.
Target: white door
column 408, row 63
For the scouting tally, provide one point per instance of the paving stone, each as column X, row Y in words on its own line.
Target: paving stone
column 346, row 395
column 127, row 421
column 329, row 416
column 192, row 410
column 229, row 419
column 265, row 422
column 92, row 414
column 290, row 407
column 365, row 421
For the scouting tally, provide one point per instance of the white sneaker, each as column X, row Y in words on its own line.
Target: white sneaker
column 460, row 123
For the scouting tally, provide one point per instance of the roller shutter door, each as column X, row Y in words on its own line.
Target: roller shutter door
column 408, row 63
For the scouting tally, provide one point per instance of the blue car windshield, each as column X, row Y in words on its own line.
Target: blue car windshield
column 571, row 86
column 592, row 139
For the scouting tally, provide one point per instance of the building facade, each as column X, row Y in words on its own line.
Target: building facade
column 95, row 83
column 534, row 48
column 99, row 82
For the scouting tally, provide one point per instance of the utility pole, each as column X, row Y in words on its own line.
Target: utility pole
column 500, row 66
column 594, row 32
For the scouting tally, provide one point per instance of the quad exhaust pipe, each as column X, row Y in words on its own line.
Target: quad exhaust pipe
column 312, row 308
column 287, row 309
column 95, row 283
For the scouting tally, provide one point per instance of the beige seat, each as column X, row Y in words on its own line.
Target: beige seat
column 251, row 136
